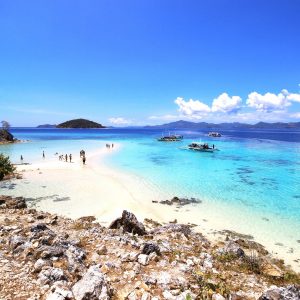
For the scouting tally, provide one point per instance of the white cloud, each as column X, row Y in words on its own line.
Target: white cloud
column 271, row 102
column 225, row 103
column 119, row 121
column 192, row 108
column 163, row 117
column 295, row 115
column 290, row 96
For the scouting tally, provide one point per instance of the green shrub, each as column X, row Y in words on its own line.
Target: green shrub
column 6, row 167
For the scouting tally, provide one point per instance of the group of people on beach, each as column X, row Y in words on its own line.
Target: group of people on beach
column 64, row 157
column 109, row 146
column 68, row 158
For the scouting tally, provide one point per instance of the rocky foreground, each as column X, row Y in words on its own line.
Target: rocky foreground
column 44, row 256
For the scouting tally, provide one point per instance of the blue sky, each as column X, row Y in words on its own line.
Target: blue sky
column 149, row 62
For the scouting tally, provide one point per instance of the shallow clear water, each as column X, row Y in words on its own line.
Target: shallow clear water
column 255, row 170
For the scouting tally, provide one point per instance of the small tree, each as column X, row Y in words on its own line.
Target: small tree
column 5, row 125
column 6, row 167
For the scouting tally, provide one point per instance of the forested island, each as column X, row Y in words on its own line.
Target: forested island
column 76, row 123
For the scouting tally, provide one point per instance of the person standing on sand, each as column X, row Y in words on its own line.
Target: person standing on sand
column 66, row 157
column 21, row 158
column 70, row 158
column 112, row 145
column 43, row 154
column 83, row 159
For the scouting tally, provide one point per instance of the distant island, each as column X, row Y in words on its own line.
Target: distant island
column 181, row 125
column 46, row 126
column 80, row 123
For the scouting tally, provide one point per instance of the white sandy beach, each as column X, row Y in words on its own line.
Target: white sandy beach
column 76, row 190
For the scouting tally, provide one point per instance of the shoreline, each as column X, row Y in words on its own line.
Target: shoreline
column 79, row 190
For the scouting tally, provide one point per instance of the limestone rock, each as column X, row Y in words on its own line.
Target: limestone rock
column 290, row 292
column 51, row 275
column 92, row 286
column 143, row 259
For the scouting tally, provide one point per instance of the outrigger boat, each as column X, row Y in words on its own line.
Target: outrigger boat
column 202, row 147
column 214, row 134
column 171, row 138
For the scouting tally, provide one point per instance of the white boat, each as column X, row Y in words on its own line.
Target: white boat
column 202, row 147
column 214, row 134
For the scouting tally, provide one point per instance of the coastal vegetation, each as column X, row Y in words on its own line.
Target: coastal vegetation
column 6, row 167
column 80, row 123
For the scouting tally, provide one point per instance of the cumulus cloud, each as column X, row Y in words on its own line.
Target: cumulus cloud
column 225, row 103
column 119, row 121
column 192, row 107
column 290, row 96
column 271, row 102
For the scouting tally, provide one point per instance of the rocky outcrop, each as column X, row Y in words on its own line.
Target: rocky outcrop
column 6, row 136
column 12, row 203
column 44, row 256
column 129, row 223
column 179, row 201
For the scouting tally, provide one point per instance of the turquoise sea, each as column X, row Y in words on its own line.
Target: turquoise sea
column 257, row 172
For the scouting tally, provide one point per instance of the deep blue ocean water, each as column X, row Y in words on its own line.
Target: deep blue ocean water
column 258, row 170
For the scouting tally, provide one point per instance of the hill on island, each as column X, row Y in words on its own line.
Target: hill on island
column 182, row 125
column 46, row 126
column 80, row 123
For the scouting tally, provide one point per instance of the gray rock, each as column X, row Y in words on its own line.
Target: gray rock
column 290, row 292
column 51, row 275
column 59, row 292
column 40, row 264
column 129, row 223
column 15, row 241
column 233, row 248
column 92, row 286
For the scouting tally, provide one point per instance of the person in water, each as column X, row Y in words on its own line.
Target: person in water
column 66, row 157
column 43, row 154
column 70, row 157
column 22, row 158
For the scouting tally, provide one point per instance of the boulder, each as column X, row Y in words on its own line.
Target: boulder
column 39, row 227
column 232, row 248
column 150, row 248
column 129, row 223
column 92, row 286
column 51, row 275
